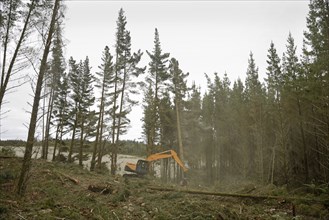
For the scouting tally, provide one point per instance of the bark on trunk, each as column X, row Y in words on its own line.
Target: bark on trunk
column 24, row 176
column 81, row 141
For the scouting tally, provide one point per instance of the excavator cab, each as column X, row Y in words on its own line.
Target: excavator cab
column 142, row 167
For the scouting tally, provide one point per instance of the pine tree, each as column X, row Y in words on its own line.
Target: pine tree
column 104, row 83
column 222, row 126
column 85, row 103
column 179, row 89
column 208, row 132
column 240, row 124
column 292, row 104
column 167, row 121
column 158, row 75
column 61, row 112
column 274, row 74
column 57, row 68
column 148, row 122
column 254, row 98
column 75, row 96
column 193, row 128
column 274, row 116
column 124, row 85
column 315, row 64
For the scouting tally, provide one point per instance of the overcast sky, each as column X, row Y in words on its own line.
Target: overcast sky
column 204, row 36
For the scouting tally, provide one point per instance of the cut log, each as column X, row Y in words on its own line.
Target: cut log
column 261, row 197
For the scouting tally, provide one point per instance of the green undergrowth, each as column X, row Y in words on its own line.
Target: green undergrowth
column 62, row 191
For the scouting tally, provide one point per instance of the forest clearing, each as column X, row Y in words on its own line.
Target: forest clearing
column 65, row 191
column 210, row 145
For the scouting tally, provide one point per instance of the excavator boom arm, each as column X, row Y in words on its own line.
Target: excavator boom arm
column 141, row 167
column 167, row 154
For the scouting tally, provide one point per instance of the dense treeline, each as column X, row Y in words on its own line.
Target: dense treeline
column 275, row 131
column 271, row 132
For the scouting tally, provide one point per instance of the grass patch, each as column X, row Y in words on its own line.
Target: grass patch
column 52, row 195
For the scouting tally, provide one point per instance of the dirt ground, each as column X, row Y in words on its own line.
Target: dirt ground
column 65, row 191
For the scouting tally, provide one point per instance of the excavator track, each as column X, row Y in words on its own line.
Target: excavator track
column 131, row 175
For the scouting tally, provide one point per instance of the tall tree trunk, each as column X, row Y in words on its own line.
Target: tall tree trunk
column 101, row 148
column 179, row 131
column 113, row 144
column 81, row 141
column 48, row 121
column 56, row 142
column 60, row 141
column 98, row 132
column 273, row 164
column 119, row 118
column 24, row 176
column 283, row 145
column 261, row 145
column 93, row 158
column 154, row 117
column 72, row 139
column 305, row 157
column 317, row 147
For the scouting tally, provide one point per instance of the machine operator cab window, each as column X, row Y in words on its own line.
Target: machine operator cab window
column 142, row 167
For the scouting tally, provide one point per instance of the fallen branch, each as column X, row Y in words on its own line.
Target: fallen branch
column 281, row 198
column 8, row 157
column 7, row 185
column 75, row 181
column 60, row 178
column 22, row 217
column 101, row 189
column 12, row 202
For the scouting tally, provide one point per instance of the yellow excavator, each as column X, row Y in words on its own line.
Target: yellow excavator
column 142, row 166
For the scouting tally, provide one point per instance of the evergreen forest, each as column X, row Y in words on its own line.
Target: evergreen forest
column 271, row 131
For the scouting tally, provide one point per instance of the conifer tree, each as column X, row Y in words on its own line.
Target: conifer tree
column 85, row 103
column 147, row 119
column 126, row 70
column 179, row 89
column 57, row 68
column 208, row 131
column 75, row 96
column 61, row 112
column 158, row 75
column 82, row 95
column 293, row 103
column 254, row 100
column 315, row 64
column 104, row 82
column 221, row 91
column 167, row 121
column 241, row 128
column 274, row 115
column 274, row 74
column 193, row 128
